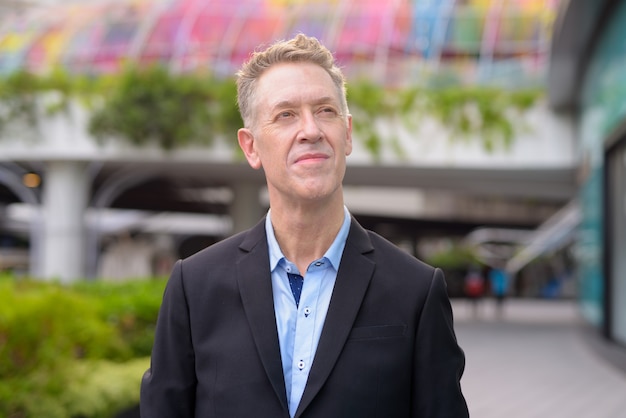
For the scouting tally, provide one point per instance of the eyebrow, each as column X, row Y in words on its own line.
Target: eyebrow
column 290, row 103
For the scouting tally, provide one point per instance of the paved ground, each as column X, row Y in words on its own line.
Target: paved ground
column 539, row 360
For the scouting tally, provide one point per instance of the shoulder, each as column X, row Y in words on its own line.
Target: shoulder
column 396, row 273
column 386, row 255
column 225, row 254
column 214, row 269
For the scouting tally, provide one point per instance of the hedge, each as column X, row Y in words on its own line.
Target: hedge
column 74, row 350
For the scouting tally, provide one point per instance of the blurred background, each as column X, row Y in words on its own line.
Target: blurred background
column 489, row 141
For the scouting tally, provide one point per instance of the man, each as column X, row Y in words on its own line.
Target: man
column 370, row 334
column 499, row 281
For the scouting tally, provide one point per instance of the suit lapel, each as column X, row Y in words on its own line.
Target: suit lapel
column 353, row 278
column 255, row 285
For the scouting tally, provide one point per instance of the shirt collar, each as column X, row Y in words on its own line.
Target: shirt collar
column 333, row 254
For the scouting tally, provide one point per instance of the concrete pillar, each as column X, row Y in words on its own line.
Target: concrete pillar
column 246, row 209
column 65, row 197
column 11, row 176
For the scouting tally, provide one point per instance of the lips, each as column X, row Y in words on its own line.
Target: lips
column 311, row 157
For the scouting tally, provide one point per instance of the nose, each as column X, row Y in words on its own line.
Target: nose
column 309, row 128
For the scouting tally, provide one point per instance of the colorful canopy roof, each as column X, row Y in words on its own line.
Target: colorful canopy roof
column 393, row 41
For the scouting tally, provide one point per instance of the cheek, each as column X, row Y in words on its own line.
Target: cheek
column 271, row 155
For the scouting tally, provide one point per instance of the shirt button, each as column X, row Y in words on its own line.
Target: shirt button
column 301, row 364
column 319, row 263
column 307, row 311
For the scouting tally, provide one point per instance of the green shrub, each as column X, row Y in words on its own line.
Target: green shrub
column 82, row 388
column 74, row 350
column 42, row 325
column 454, row 257
column 132, row 307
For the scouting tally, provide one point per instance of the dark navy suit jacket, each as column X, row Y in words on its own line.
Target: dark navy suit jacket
column 387, row 349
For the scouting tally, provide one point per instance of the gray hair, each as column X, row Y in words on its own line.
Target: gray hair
column 301, row 48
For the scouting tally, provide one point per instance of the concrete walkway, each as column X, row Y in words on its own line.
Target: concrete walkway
column 539, row 360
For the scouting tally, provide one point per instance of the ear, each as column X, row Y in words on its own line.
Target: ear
column 349, row 135
column 247, row 145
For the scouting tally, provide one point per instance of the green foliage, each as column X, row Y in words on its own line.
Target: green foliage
column 111, row 387
column 490, row 114
column 481, row 112
column 155, row 106
column 371, row 103
column 74, row 350
column 18, row 100
column 82, row 388
column 41, row 325
column 455, row 257
column 132, row 307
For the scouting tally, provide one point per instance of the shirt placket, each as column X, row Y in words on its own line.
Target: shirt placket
column 304, row 346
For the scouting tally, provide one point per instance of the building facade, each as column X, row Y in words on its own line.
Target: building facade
column 588, row 80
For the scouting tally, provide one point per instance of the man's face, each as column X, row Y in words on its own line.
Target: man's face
column 299, row 136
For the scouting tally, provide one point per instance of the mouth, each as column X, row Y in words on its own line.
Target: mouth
column 311, row 158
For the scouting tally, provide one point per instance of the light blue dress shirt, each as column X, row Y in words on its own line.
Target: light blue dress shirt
column 299, row 328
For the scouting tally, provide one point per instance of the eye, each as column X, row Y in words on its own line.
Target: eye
column 284, row 115
column 327, row 112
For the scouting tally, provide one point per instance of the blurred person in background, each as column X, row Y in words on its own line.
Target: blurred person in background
column 306, row 314
column 474, row 287
column 499, row 283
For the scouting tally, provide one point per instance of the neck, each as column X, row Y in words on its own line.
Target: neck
column 306, row 232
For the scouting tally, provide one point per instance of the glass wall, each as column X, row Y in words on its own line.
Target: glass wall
column 603, row 110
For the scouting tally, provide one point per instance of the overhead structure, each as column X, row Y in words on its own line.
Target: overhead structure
column 394, row 42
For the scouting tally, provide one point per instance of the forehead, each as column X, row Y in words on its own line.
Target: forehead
column 295, row 82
